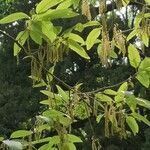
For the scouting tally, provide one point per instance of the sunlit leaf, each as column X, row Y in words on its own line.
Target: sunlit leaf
column 46, row 4
column 132, row 124
column 62, row 93
column 74, row 139
column 78, row 49
column 103, row 97
column 134, row 56
column 76, row 38
column 141, row 118
column 131, row 35
column 14, row 17
column 65, row 4
column 20, row 133
column 143, row 102
column 21, row 38
column 56, row 14
column 36, row 37
column 110, row 92
column 143, row 78
column 91, row 38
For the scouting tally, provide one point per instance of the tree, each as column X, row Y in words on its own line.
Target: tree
column 114, row 106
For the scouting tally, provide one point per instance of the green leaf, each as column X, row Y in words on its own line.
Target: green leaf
column 20, row 134
column 48, row 30
column 141, row 118
column 91, row 23
column 21, row 38
column 79, row 27
column 62, row 93
column 123, row 87
column 119, row 97
column 76, row 38
column 134, row 56
column 1, row 139
column 45, row 102
column 13, row 145
column 143, row 78
column 131, row 102
column 138, row 19
column 132, row 124
column 65, row 4
column 103, row 97
column 125, row 2
column 143, row 102
column 46, row 4
column 68, row 146
column 145, row 65
column 78, row 49
column 147, row 15
column 91, row 38
column 56, row 14
column 74, row 139
column 99, row 117
column 36, row 37
column 14, row 17
column 43, row 140
column 131, row 35
column 110, row 92
column 145, row 38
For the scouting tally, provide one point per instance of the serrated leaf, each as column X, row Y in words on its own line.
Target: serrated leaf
column 20, row 134
column 91, row 38
column 131, row 35
column 134, row 56
column 46, row 4
column 110, row 92
column 141, row 118
column 76, row 38
column 14, row 17
column 21, row 38
column 143, row 78
column 78, row 49
column 13, row 145
column 132, row 124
